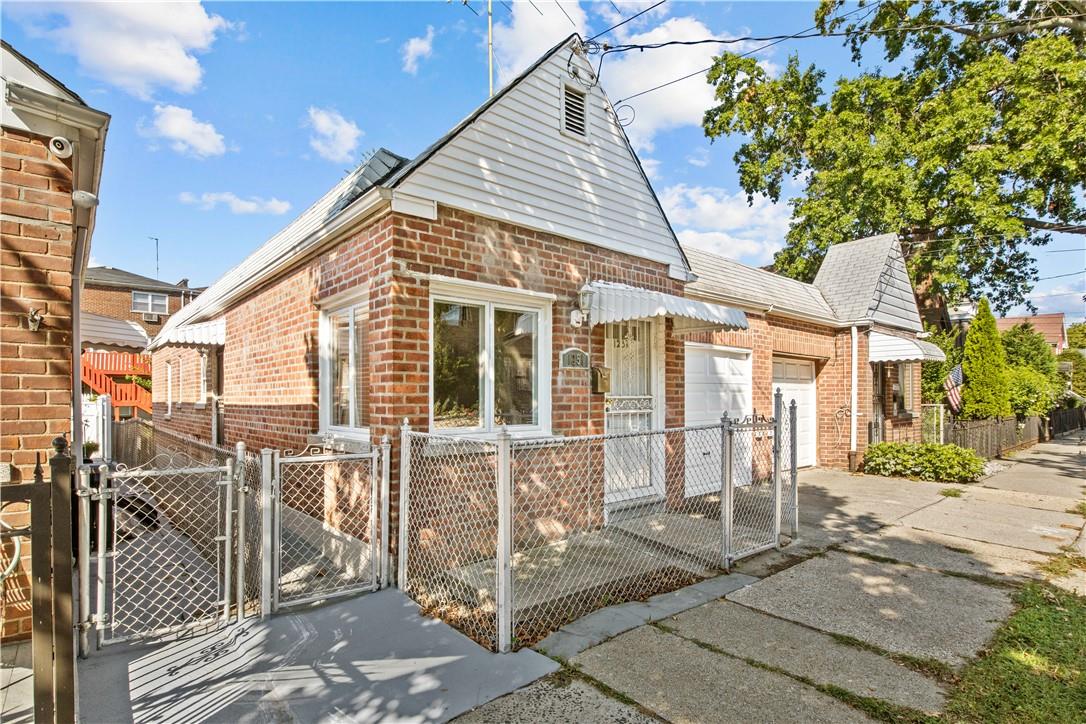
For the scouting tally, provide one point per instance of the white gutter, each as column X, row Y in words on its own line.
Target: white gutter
column 853, row 393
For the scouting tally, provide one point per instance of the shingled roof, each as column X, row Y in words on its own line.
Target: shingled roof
column 107, row 276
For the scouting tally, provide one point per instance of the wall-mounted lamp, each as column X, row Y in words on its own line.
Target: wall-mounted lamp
column 33, row 319
column 584, row 303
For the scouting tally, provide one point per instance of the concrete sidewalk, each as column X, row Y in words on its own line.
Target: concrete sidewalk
column 892, row 583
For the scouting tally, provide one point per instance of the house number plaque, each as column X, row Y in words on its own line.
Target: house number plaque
column 573, row 359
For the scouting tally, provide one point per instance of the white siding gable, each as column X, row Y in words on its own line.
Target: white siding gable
column 517, row 164
column 895, row 302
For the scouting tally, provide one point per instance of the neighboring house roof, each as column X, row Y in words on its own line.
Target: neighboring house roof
column 201, row 334
column 866, row 280
column 513, row 136
column 107, row 276
column 730, row 281
column 1050, row 325
column 97, row 329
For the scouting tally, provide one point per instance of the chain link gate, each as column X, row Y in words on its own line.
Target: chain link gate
column 330, row 521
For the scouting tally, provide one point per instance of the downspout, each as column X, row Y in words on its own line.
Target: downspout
column 853, row 400
column 78, row 267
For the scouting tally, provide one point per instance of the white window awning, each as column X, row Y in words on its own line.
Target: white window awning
column 888, row 348
column 611, row 302
column 203, row 334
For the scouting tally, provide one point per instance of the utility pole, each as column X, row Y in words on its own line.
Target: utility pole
column 490, row 44
column 155, row 239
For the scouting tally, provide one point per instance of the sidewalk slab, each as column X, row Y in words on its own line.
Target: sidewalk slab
column 16, row 683
column 796, row 649
column 893, row 606
column 549, row 701
column 1055, row 503
column 949, row 553
column 371, row 658
column 1044, row 531
column 1055, row 467
column 684, row 682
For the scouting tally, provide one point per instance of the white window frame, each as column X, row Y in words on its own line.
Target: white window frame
column 169, row 389
column 342, row 304
column 490, row 296
column 151, row 298
column 905, row 391
column 202, row 400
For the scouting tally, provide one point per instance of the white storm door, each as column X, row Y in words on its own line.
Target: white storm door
column 718, row 382
column 796, row 381
column 632, row 465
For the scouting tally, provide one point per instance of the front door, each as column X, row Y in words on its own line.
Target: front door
column 878, row 394
column 632, row 465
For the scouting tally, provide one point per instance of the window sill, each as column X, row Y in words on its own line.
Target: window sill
column 355, row 441
column 467, row 443
column 199, row 405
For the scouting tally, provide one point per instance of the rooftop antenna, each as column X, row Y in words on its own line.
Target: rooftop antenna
column 155, row 239
column 490, row 44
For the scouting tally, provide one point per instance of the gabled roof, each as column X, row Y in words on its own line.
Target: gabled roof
column 98, row 329
column 728, row 280
column 1050, row 325
column 107, row 276
column 866, row 280
column 45, row 75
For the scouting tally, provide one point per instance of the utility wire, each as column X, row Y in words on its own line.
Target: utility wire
column 632, row 17
column 1061, row 276
column 566, row 14
column 535, row 6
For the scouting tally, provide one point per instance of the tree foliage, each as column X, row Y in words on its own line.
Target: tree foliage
column 984, row 366
column 933, row 374
column 1076, row 335
column 1031, row 393
column 1078, row 369
column 971, row 143
column 1026, row 347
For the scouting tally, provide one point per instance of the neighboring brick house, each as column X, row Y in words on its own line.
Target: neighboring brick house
column 120, row 294
column 1052, row 326
column 801, row 340
column 47, row 131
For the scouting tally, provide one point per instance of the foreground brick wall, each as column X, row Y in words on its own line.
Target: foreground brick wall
column 117, row 304
column 35, row 367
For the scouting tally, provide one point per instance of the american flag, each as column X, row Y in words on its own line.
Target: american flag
column 953, row 387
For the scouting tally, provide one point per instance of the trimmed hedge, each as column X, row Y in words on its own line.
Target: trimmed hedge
column 943, row 463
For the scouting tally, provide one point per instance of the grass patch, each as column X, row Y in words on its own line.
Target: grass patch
column 1064, row 565
column 936, row 669
column 951, row 492
column 1078, row 509
column 1035, row 668
column 957, row 549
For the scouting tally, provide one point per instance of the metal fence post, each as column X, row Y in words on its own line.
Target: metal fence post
column 84, row 494
column 268, row 533
column 243, row 541
column 505, row 543
column 227, row 538
column 405, row 491
column 727, row 491
column 104, row 524
column 105, row 427
column 60, row 474
column 793, row 435
column 778, row 418
column 386, row 457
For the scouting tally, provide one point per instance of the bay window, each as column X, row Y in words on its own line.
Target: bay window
column 490, row 359
column 345, row 378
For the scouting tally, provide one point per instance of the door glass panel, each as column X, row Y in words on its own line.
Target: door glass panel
column 514, row 367
column 457, row 370
column 341, row 370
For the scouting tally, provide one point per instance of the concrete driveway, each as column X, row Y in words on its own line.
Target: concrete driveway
column 893, row 585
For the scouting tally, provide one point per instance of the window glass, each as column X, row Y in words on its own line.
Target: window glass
column 150, row 303
column 361, row 366
column 457, row 368
column 514, row 367
column 341, row 370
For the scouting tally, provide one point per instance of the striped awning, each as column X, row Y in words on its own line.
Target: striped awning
column 890, row 348
column 611, row 302
column 96, row 329
column 202, row 334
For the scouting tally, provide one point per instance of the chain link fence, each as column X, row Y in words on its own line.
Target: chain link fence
column 509, row 540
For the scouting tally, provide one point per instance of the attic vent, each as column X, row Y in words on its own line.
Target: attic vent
column 573, row 112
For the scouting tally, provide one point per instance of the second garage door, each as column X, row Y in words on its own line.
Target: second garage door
column 796, row 379
column 718, row 381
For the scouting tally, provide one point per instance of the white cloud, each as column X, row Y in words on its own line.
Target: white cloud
column 138, row 47
column 334, row 137
column 237, row 205
column 416, row 49
column 1066, row 298
column 711, row 218
column 529, row 33
column 628, row 10
column 699, row 158
column 652, row 168
column 184, row 132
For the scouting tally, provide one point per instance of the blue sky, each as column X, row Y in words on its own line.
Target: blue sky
column 230, row 118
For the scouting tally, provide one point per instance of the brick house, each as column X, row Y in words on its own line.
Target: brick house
column 120, row 294
column 494, row 280
column 52, row 145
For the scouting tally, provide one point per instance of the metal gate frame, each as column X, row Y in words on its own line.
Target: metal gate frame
column 273, row 463
column 106, row 575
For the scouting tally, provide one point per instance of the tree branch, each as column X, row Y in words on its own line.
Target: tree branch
column 1052, row 226
column 1031, row 25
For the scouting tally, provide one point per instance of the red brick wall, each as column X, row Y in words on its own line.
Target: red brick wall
column 191, row 412
column 35, row 367
column 117, row 304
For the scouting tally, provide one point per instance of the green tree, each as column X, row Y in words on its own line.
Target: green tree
column 1078, row 369
column 933, row 374
column 1031, row 393
column 1027, row 347
column 984, row 366
column 1076, row 335
column 970, row 143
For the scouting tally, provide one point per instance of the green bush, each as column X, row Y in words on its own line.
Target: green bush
column 944, row 463
column 1032, row 393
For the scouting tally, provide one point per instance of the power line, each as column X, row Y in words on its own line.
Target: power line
column 535, row 6
column 1061, row 276
column 566, row 14
column 632, row 17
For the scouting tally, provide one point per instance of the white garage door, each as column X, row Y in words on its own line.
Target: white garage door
column 718, row 381
column 796, row 379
